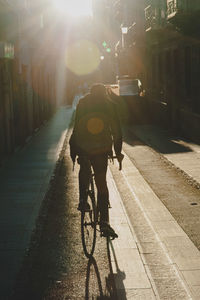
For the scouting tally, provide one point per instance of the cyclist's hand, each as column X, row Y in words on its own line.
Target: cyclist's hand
column 73, row 156
column 120, row 157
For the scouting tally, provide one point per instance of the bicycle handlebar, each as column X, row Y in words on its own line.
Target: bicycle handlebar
column 111, row 158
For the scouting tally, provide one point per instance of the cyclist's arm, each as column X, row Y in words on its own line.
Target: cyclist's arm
column 116, row 131
column 72, row 141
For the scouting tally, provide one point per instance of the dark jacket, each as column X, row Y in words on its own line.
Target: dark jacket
column 96, row 128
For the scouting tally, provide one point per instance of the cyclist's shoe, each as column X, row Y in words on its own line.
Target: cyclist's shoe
column 108, row 231
column 83, row 206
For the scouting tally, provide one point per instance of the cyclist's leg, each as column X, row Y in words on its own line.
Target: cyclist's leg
column 100, row 164
column 84, row 176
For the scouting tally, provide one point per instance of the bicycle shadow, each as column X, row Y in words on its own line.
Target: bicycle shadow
column 117, row 278
column 92, row 262
column 109, row 291
column 100, row 295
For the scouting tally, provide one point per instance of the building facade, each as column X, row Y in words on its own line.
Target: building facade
column 106, row 34
column 27, row 83
column 130, row 48
column 173, row 58
column 161, row 46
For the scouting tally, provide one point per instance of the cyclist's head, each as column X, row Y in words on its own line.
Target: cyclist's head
column 98, row 89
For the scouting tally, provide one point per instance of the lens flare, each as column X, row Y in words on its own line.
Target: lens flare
column 95, row 125
column 83, row 57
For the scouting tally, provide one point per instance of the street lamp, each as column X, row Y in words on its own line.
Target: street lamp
column 123, row 59
column 124, row 30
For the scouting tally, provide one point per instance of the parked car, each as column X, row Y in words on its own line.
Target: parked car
column 132, row 94
column 129, row 86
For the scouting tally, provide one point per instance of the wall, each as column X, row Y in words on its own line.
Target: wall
column 27, row 82
column 190, row 125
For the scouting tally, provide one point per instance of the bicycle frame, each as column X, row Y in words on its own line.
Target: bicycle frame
column 89, row 218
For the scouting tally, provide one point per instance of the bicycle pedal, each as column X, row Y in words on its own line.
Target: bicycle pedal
column 112, row 236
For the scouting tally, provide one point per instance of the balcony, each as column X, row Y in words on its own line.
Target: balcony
column 154, row 18
column 181, row 7
column 134, row 35
column 171, row 9
column 155, row 23
column 185, row 15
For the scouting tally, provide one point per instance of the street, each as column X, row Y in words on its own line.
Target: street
column 135, row 65
column 153, row 214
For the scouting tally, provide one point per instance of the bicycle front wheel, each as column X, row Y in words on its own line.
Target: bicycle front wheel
column 88, row 224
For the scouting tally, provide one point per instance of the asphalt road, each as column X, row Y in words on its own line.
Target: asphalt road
column 55, row 266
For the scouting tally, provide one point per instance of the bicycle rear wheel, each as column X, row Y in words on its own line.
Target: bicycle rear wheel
column 88, row 224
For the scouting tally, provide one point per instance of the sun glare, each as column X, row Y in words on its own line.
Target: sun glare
column 83, row 57
column 75, row 8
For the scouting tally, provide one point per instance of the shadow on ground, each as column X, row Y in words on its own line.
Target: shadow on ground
column 159, row 139
column 137, row 127
column 54, row 266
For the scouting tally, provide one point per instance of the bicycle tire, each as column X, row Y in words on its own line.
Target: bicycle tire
column 88, row 224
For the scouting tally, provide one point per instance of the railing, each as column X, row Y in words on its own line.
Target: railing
column 171, row 7
column 150, row 17
column 186, row 6
column 154, row 17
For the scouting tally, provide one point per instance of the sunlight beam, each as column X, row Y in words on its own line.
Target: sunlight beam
column 74, row 8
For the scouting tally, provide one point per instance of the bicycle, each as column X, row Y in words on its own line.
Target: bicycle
column 90, row 217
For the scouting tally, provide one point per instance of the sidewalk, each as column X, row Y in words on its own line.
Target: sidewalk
column 24, row 181
column 153, row 258
column 184, row 154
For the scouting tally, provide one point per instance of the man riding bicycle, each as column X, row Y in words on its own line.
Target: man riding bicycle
column 96, row 129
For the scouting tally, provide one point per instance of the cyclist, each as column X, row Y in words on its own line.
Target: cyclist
column 96, row 129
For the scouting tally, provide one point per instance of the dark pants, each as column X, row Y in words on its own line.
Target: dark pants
column 99, row 164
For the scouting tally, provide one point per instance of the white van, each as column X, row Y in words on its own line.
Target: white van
column 129, row 86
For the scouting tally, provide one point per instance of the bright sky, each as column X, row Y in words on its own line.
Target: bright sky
column 75, row 8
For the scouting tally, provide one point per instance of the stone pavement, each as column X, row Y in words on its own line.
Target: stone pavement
column 24, row 181
column 153, row 258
